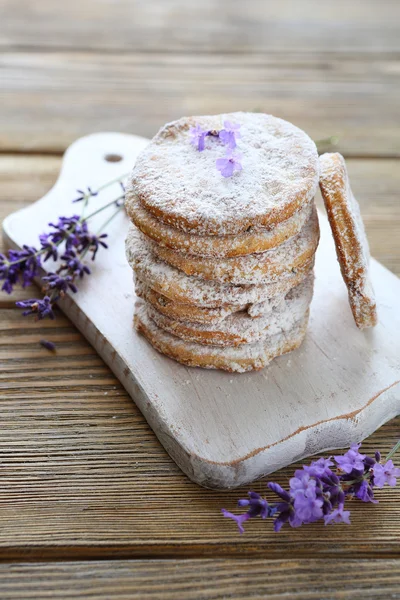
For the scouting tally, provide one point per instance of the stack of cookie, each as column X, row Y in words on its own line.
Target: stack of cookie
column 223, row 256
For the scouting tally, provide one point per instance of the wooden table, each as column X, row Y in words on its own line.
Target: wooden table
column 91, row 505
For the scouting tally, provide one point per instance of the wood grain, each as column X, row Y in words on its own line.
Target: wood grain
column 51, row 98
column 83, row 476
column 78, row 482
column 211, row 26
column 203, row 579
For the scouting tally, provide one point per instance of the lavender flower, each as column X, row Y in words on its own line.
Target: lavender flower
column 54, row 281
column 339, row 515
column 92, row 243
column 363, row 491
column 74, row 265
column 198, row 137
column 307, row 500
column 68, row 240
column 229, row 164
column 352, row 460
column 85, row 195
column 239, row 519
column 48, row 345
column 69, row 229
column 386, row 473
column 48, row 246
column 318, row 492
column 319, row 467
column 40, row 308
column 21, row 266
column 229, row 134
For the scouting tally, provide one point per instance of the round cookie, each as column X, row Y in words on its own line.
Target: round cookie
column 239, row 328
column 198, row 314
column 266, row 267
column 247, row 357
column 350, row 239
column 183, row 312
column 175, row 285
column 182, row 187
column 258, row 239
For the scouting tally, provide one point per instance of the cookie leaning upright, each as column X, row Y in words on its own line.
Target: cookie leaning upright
column 350, row 239
column 181, row 186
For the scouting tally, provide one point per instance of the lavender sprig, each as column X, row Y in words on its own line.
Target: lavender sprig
column 319, row 491
column 69, row 240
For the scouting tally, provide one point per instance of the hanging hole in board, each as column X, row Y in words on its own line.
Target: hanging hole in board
column 113, row 157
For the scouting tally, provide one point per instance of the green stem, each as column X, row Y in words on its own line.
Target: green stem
column 103, row 226
column 393, row 451
column 99, row 210
column 99, row 189
column 109, row 220
column 116, row 180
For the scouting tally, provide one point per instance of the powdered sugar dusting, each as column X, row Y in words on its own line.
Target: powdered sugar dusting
column 182, row 186
column 174, row 284
column 350, row 237
column 257, row 240
column 240, row 328
column 266, row 267
column 240, row 359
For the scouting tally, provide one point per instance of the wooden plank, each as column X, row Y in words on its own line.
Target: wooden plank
column 203, row 580
column 24, row 179
column 51, row 98
column 83, row 475
column 210, row 26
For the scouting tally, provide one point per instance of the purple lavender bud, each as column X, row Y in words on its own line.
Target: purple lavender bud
column 85, row 195
column 48, row 245
column 239, row 519
column 21, row 266
column 40, row 308
column 275, row 487
column 92, row 243
column 57, row 282
column 378, row 457
column 243, row 502
column 74, row 265
column 363, row 491
column 48, row 345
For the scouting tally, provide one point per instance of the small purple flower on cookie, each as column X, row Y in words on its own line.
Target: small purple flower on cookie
column 198, row 137
column 229, row 164
column 230, row 134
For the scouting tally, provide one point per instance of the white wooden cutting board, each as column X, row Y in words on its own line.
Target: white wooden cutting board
column 224, row 429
